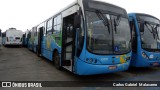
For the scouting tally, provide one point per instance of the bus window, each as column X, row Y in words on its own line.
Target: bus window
column 49, row 26
column 57, row 24
column 57, row 28
column 35, row 31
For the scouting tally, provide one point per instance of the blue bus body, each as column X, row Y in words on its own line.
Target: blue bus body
column 29, row 46
column 143, row 54
column 81, row 50
column 32, row 39
column 25, row 42
column 26, row 38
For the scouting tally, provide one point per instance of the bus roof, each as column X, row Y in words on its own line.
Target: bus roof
column 74, row 3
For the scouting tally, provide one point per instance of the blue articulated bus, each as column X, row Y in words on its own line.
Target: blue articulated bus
column 145, row 40
column 88, row 37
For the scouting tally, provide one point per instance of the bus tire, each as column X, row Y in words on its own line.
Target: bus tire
column 56, row 61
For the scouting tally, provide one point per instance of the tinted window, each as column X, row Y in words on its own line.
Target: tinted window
column 106, row 7
column 49, row 26
column 147, row 18
column 17, row 37
column 149, row 38
column 57, row 24
column 122, row 36
column 98, row 38
column 111, row 39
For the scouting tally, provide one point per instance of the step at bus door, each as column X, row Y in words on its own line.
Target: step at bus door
column 68, row 40
column 40, row 36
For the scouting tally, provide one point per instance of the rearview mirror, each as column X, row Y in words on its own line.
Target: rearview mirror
column 141, row 27
column 77, row 21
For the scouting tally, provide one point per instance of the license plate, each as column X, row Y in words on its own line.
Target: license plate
column 112, row 67
column 155, row 64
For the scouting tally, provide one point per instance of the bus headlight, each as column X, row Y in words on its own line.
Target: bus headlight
column 91, row 60
column 144, row 55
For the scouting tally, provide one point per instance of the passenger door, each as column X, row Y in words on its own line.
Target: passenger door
column 68, row 40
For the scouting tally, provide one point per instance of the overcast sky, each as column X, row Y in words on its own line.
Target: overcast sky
column 24, row 14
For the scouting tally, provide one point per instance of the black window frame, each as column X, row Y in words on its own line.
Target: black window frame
column 134, row 40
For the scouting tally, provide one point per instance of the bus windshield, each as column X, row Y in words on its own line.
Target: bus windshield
column 102, row 39
column 122, row 36
column 150, row 38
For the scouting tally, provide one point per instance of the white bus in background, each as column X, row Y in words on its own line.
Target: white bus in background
column 12, row 37
column 0, row 38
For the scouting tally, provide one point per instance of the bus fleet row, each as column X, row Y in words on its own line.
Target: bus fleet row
column 92, row 37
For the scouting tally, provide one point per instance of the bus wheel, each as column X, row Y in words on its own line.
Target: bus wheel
column 56, row 59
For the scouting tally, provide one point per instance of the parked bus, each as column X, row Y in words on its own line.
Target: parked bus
column 12, row 37
column 145, row 40
column 88, row 37
column 0, row 38
column 33, row 39
column 25, row 38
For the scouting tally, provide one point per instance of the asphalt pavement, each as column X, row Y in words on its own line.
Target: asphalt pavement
column 21, row 64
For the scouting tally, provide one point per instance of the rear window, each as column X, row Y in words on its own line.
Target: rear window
column 17, row 37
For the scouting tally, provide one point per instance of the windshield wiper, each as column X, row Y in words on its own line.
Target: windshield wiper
column 104, row 19
column 152, row 30
column 156, row 28
column 116, row 22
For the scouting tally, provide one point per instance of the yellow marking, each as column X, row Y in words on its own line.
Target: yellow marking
column 48, row 41
column 122, row 58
